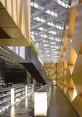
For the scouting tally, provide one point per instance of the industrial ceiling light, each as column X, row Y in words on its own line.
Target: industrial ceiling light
column 51, row 38
column 44, row 41
column 52, row 43
column 56, row 47
column 59, row 27
column 43, row 35
column 63, row 4
column 37, row 6
column 40, row 28
column 32, row 32
column 45, row 45
column 59, row 40
column 39, row 19
column 56, row 26
column 52, row 32
column 51, row 13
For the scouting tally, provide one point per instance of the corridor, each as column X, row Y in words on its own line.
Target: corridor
column 58, row 106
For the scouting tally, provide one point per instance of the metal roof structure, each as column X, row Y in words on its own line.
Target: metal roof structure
column 48, row 27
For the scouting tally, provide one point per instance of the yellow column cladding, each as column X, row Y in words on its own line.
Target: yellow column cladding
column 73, row 14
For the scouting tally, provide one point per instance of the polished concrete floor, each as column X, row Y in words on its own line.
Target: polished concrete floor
column 59, row 107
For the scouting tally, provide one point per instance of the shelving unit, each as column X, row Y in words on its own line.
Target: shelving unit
column 5, row 99
column 19, row 93
column 29, row 89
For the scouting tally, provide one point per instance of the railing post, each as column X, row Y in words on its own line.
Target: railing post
column 12, row 96
column 26, row 90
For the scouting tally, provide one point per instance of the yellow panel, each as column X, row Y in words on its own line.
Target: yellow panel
column 77, row 103
column 80, row 51
column 62, row 69
column 65, row 42
column 77, row 74
column 80, row 1
column 72, row 57
column 62, row 52
column 65, row 65
column 71, row 84
column 73, row 14
column 67, row 95
column 65, row 89
column 68, row 77
column 64, row 82
column 72, row 94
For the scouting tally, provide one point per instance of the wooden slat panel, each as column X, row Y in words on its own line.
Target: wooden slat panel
column 20, row 11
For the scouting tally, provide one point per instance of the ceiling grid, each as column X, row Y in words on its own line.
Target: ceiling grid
column 47, row 27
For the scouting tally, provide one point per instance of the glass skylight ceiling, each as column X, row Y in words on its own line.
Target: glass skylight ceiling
column 47, row 27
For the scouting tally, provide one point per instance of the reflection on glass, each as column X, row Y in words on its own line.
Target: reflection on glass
column 12, row 111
